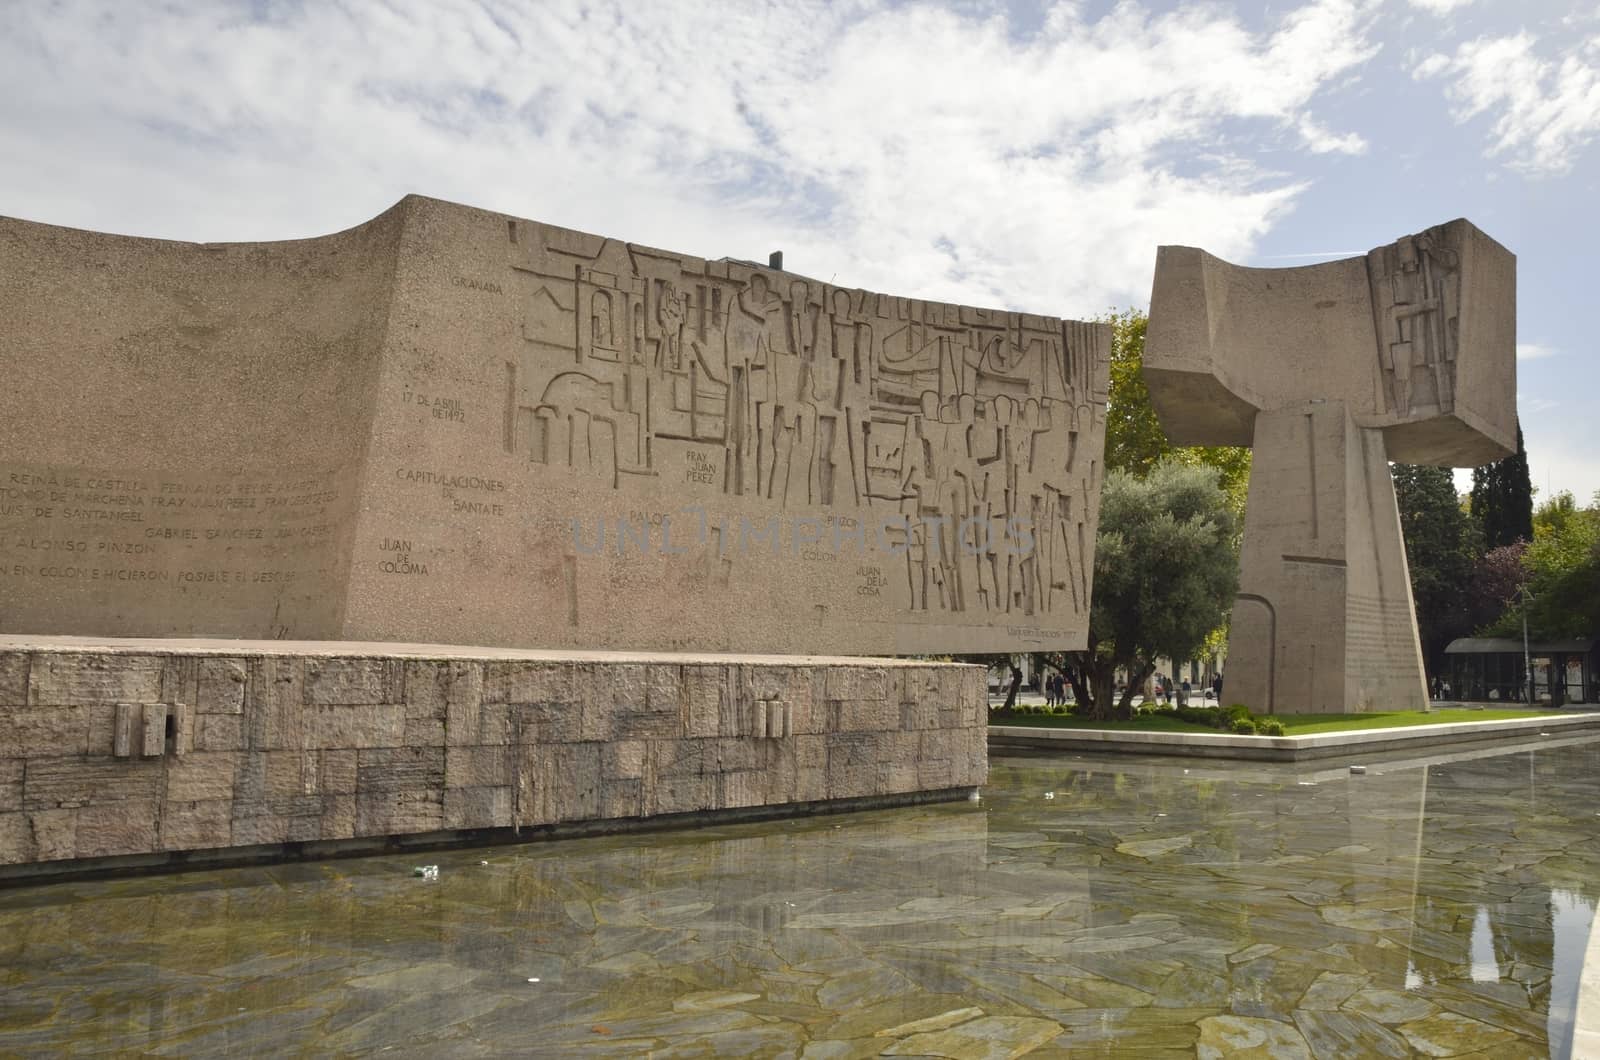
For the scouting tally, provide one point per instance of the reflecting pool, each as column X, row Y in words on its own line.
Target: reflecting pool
column 1091, row 905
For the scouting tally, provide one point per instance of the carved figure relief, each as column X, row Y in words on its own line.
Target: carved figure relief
column 961, row 420
column 1416, row 300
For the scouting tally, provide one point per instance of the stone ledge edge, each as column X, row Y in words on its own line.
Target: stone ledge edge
column 44, row 872
column 1275, row 748
column 351, row 649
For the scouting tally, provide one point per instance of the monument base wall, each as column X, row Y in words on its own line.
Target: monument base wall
column 131, row 749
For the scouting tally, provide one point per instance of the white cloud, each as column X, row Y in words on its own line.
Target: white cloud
column 1440, row 7
column 1546, row 110
column 1532, row 351
column 1321, row 141
column 903, row 147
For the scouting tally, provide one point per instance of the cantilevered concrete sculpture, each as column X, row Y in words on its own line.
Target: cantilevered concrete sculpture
column 1329, row 372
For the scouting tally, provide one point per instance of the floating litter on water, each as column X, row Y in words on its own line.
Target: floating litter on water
column 483, row 863
column 535, row 979
column 1358, row 769
column 427, row 872
column 1160, row 815
column 1049, row 794
column 1305, row 783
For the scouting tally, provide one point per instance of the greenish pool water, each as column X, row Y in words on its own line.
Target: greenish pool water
column 1094, row 906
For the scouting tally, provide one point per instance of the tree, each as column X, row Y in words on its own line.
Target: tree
column 1502, row 499
column 1442, row 550
column 1165, row 567
column 1497, row 582
column 1135, row 442
column 1563, row 566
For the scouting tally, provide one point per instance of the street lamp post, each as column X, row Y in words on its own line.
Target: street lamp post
column 1527, row 658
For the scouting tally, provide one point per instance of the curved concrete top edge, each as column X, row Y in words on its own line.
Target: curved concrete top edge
column 1417, row 338
column 397, row 210
column 289, row 242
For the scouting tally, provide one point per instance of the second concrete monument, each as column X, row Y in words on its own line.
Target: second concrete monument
column 1329, row 372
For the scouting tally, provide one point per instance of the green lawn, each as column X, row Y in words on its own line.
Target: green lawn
column 1141, row 723
column 1306, row 724
column 1294, row 724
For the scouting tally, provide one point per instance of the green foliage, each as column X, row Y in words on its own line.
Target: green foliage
column 1135, row 442
column 1245, row 727
column 1165, row 571
column 1136, row 445
column 1497, row 583
column 1213, row 717
column 1555, row 516
column 1502, row 499
column 1563, row 566
column 1443, row 546
column 1270, row 727
column 1165, row 566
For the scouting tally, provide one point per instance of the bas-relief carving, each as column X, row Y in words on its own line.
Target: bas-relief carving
column 1416, row 299
column 808, row 395
column 1321, row 493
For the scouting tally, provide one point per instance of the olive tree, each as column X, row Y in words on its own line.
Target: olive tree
column 1166, row 568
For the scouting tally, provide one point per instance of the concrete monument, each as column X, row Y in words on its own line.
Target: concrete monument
column 454, row 426
column 1329, row 372
column 592, row 463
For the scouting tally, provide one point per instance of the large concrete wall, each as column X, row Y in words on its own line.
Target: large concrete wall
column 182, row 429
column 417, row 429
column 149, row 748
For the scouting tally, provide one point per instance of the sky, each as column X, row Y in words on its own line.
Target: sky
column 1018, row 153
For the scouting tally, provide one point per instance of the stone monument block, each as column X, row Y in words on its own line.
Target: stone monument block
column 1329, row 372
column 454, row 426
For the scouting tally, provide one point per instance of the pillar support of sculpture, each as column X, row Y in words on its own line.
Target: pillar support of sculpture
column 1323, row 583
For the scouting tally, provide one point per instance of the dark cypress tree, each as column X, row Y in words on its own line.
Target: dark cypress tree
column 1502, row 499
column 1442, row 548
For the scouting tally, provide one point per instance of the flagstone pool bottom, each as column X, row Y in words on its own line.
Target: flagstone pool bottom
column 1136, row 910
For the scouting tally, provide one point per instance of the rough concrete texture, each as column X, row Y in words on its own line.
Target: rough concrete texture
column 454, row 426
column 1329, row 372
column 137, row 747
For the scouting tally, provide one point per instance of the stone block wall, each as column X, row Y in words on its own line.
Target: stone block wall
column 125, row 750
